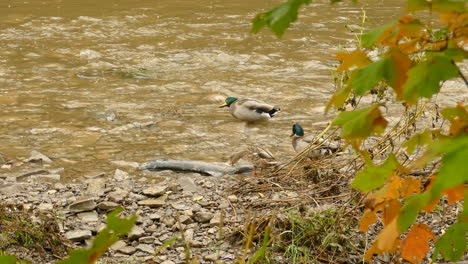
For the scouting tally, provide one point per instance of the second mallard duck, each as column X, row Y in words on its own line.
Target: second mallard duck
column 299, row 142
column 250, row 110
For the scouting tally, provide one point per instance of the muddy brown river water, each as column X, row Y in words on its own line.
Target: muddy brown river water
column 87, row 82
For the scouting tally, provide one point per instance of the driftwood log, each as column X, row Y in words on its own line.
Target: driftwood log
column 205, row 168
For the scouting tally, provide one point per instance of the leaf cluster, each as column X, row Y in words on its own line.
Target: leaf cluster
column 414, row 60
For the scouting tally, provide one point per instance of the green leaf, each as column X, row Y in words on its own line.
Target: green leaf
column 279, row 18
column 119, row 225
column 419, row 139
column 373, row 177
column 8, row 259
column 424, row 78
column 452, row 244
column 410, row 209
column 368, row 39
column 360, row 124
column 167, row 243
column 366, row 78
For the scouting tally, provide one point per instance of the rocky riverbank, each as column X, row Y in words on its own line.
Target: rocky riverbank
column 167, row 204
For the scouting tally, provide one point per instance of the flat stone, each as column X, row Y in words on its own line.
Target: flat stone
column 127, row 250
column 45, row 206
column 155, row 216
column 96, row 186
column 185, row 219
column 181, row 206
column 146, row 240
column 188, row 185
column 167, row 262
column 78, row 235
column 158, row 202
column 216, row 220
column 136, row 233
column 155, row 191
column 121, row 175
column 117, row 245
column 55, row 177
column 107, row 206
column 145, row 248
column 117, row 196
column 126, row 163
column 87, row 217
column 37, row 156
column 203, row 217
column 83, row 205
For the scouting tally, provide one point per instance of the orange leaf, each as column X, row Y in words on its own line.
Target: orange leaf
column 387, row 240
column 455, row 193
column 409, row 186
column 391, row 210
column 367, row 219
column 410, row 28
column 393, row 188
column 402, row 66
column 409, row 46
column 387, row 38
column 356, row 58
column 416, row 244
column 430, row 207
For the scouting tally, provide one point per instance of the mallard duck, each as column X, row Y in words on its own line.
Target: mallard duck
column 299, row 142
column 258, row 156
column 250, row 110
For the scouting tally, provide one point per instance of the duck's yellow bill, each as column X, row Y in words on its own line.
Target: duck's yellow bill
column 223, row 105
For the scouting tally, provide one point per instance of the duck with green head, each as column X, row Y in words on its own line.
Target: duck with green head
column 300, row 142
column 258, row 156
column 250, row 110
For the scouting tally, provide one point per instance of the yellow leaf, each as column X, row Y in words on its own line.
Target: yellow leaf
column 356, row 58
column 416, row 244
column 198, row 198
column 387, row 240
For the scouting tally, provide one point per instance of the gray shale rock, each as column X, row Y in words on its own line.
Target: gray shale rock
column 127, row 250
column 37, row 156
column 107, row 206
column 117, row 196
column 158, row 202
column 203, row 217
column 87, row 217
column 83, row 205
column 117, row 245
column 155, row 191
column 136, row 233
column 145, row 248
column 78, row 235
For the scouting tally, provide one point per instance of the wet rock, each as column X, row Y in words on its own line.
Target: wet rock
column 136, row 233
column 121, row 175
column 127, row 250
column 145, row 248
column 117, row 245
column 188, row 185
column 88, row 217
column 95, row 176
column 55, row 177
column 158, row 202
column 78, row 235
column 36, row 156
column 83, row 205
column 203, row 217
column 107, row 206
column 31, row 173
column 155, row 191
column 126, row 163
